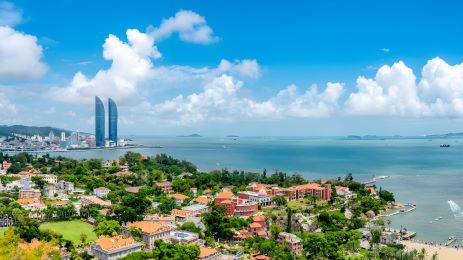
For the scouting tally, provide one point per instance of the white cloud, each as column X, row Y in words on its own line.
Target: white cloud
column 385, row 49
column 9, row 15
column 20, row 55
column 131, row 66
column 190, row 26
column 394, row 91
column 221, row 100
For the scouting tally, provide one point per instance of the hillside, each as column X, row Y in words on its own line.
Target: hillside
column 30, row 130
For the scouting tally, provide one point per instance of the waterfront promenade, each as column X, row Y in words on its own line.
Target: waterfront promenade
column 445, row 253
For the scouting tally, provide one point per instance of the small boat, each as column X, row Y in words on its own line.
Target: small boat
column 430, row 222
column 436, row 219
column 445, row 145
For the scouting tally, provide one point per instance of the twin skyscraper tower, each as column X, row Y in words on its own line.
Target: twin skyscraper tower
column 100, row 122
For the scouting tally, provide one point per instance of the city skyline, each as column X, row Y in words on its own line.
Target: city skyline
column 182, row 68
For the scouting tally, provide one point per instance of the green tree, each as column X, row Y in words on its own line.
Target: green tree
column 83, row 238
column 280, row 200
column 107, row 228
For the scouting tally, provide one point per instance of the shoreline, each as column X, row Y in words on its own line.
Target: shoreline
column 444, row 252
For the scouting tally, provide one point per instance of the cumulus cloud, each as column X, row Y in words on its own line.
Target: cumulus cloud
column 20, row 55
column 394, row 91
column 221, row 100
column 190, row 26
column 9, row 15
column 131, row 66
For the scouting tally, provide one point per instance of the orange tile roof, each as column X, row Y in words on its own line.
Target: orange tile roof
column 178, row 196
column 102, row 188
column 202, row 199
column 207, row 191
column 255, row 225
column 259, row 218
column 147, row 226
column 180, row 213
column 28, row 201
column 262, row 233
column 206, row 251
column 59, row 203
column 108, row 243
column 225, row 195
column 226, row 202
column 132, row 189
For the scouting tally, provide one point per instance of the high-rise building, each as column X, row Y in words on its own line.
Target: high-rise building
column 74, row 138
column 112, row 110
column 63, row 136
column 99, row 122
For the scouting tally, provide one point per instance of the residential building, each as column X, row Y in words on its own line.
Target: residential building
column 166, row 186
column 309, row 189
column 101, row 192
column 99, row 122
column 207, row 253
column 111, row 248
column 196, row 209
column 133, row 189
column 66, row 185
column 239, row 207
column 150, row 231
column 50, row 178
column 180, row 214
column 343, row 191
column 29, row 193
column 112, row 124
column 260, row 197
column 94, row 200
column 201, row 200
column 294, row 243
column 6, row 165
column 179, row 198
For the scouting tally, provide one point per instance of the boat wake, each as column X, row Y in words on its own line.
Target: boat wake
column 456, row 209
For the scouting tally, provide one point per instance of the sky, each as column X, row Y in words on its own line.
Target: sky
column 283, row 68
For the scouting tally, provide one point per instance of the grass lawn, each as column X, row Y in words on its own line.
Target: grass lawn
column 71, row 230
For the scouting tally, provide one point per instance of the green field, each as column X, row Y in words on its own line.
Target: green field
column 2, row 230
column 71, row 230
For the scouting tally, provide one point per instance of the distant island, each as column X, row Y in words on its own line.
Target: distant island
column 232, row 136
column 192, row 135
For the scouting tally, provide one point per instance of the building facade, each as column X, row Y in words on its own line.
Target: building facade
column 112, row 125
column 111, row 248
column 99, row 122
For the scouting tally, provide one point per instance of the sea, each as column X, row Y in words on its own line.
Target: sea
column 419, row 170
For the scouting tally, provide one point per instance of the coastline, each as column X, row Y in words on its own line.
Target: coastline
column 447, row 253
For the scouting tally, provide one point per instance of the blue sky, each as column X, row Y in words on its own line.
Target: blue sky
column 236, row 67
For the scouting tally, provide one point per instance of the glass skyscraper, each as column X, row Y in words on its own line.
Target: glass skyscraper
column 112, row 120
column 99, row 122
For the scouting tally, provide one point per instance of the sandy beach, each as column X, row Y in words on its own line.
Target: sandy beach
column 444, row 253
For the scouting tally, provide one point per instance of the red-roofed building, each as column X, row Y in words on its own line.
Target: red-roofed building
column 309, row 189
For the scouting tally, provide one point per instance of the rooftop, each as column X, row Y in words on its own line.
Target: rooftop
column 110, row 243
column 206, row 251
column 178, row 196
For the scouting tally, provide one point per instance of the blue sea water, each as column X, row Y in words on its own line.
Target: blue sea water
column 420, row 170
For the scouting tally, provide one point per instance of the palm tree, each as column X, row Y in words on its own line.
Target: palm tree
column 434, row 256
column 422, row 254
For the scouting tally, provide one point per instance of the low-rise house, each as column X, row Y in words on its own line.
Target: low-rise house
column 49, row 178
column 343, row 191
column 133, row 189
column 29, row 193
column 165, row 186
column 150, row 231
column 112, row 248
column 179, row 198
column 101, row 192
column 294, row 243
column 194, row 191
column 207, row 253
column 34, row 206
column 66, row 185
column 94, row 200
column 78, row 191
column 235, row 206
column 183, row 237
column 197, row 209
column 201, row 200
column 180, row 214
column 50, row 190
